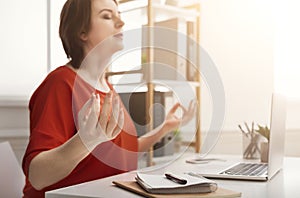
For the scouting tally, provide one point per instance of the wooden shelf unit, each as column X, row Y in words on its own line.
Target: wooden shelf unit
column 155, row 12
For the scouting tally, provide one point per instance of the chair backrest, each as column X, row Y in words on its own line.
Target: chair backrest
column 12, row 179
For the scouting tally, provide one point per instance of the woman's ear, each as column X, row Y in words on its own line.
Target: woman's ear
column 83, row 36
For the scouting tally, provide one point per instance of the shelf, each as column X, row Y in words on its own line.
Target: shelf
column 177, row 83
column 183, row 16
column 108, row 74
column 159, row 85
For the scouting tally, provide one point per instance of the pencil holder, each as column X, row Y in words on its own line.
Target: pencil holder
column 251, row 146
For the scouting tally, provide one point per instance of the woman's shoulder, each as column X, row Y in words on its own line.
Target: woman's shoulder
column 61, row 76
column 62, row 73
column 60, row 80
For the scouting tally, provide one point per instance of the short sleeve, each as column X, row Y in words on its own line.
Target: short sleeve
column 51, row 117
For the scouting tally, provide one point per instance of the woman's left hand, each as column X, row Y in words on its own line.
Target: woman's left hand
column 173, row 122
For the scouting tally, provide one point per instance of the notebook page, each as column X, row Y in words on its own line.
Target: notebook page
column 160, row 181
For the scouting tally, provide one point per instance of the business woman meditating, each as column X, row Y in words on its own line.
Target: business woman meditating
column 79, row 128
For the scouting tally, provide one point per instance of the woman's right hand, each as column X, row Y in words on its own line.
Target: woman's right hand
column 98, row 125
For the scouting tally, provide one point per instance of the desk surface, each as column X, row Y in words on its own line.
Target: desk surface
column 284, row 185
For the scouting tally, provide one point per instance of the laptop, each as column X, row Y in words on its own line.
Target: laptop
column 227, row 169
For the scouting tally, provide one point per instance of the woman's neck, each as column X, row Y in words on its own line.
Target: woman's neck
column 93, row 77
column 98, row 83
column 93, row 68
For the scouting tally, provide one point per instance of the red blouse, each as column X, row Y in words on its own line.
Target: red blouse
column 53, row 119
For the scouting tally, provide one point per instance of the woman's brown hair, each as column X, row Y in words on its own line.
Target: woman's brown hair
column 75, row 19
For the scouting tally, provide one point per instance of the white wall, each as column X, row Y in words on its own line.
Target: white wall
column 287, row 62
column 23, row 49
column 287, row 45
column 255, row 45
column 58, row 56
column 239, row 35
column 23, row 56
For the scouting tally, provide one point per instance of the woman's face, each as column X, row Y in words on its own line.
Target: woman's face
column 106, row 27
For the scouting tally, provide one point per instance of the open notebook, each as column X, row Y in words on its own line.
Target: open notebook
column 161, row 185
column 157, row 186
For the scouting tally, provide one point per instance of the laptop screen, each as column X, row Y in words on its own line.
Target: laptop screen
column 277, row 134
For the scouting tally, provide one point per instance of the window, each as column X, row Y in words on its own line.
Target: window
column 287, row 45
column 23, row 46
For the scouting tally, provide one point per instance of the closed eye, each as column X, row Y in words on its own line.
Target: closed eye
column 107, row 16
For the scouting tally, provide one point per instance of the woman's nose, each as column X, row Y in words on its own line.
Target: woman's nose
column 119, row 23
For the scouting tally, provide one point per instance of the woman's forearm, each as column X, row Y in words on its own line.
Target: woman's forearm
column 150, row 138
column 51, row 166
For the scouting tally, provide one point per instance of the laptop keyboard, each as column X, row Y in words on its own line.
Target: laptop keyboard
column 247, row 169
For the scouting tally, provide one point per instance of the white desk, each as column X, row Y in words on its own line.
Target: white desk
column 285, row 184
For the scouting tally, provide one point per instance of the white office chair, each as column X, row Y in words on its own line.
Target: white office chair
column 12, row 179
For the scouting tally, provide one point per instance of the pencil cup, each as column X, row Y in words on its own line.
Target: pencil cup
column 251, row 146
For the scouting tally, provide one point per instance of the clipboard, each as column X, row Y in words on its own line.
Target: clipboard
column 133, row 186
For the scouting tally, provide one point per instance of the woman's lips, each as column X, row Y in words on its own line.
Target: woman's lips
column 119, row 35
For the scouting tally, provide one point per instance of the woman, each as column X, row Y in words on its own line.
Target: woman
column 79, row 129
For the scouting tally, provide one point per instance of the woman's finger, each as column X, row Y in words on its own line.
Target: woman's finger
column 114, row 117
column 194, row 104
column 105, row 112
column 193, row 107
column 85, row 109
column 183, row 109
column 120, row 124
column 92, row 118
column 174, row 108
column 190, row 109
column 190, row 113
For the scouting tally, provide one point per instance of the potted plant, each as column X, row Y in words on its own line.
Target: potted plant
column 264, row 146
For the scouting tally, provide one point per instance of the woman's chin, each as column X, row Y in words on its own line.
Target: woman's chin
column 118, row 47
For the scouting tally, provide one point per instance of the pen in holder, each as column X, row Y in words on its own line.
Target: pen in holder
column 251, row 142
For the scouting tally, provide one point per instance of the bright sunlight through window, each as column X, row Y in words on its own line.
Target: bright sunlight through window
column 287, row 44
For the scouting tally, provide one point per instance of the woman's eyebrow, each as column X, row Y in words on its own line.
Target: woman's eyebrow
column 105, row 9
column 108, row 10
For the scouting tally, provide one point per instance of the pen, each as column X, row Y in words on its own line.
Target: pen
column 175, row 179
column 246, row 133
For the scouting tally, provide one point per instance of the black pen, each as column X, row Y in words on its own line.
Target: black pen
column 175, row 179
